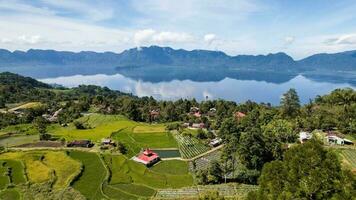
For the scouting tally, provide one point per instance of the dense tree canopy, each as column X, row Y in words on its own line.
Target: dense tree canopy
column 307, row 171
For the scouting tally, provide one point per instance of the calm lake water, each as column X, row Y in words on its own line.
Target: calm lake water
column 228, row 88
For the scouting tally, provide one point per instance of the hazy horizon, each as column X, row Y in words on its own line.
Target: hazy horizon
column 298, row 28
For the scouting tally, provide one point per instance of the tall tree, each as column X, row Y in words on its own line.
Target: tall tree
column 252, row 149
column 308, row 171
column 290, row 103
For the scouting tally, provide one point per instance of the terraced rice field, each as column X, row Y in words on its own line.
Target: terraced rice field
column 11, row 172
column 190, row 146
column 350, row 157
column 136, row 181
column 16, row 171
column 4, row 177
column 41, row 167
column 10, row 194
column 89, row 183
column 66, row 169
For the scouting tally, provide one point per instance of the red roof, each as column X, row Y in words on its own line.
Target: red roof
column 154, row 112
column 148, row 156
column 197, row 114
column 240, row 114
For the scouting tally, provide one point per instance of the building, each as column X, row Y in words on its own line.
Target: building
column 194, row 109
column 239, row 115
column 198, row 125
column 186, row 124
column 212, row 112
column 197, row 114
column 154, row 114
column 215, row 142
column 80, row 143
column 107, row 141
column 304, row 136
column 333, row 138
column 147, row 157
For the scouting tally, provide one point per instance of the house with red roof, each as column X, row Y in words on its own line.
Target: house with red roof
column 147, row 157
column 239, row 115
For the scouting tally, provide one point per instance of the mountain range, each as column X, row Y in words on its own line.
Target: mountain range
column 149, row 62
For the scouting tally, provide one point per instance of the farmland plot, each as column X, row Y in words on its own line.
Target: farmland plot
column 227, row 190
column 92, row 177
column 204, row 162
column 350, row 156
column 190, row 146
column 136, row 180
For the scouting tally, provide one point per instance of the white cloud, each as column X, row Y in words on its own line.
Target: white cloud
column 150, row 36
column 175, row 37
column 143, row 36
column 348, row 39
column 52, row 32
column 209, row 38
column 5, row 40
column 33, row 39
column 289, row 40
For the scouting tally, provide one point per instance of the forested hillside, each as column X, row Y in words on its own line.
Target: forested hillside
column 258, row 144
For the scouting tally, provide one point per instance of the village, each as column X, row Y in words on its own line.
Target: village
column 149, row 157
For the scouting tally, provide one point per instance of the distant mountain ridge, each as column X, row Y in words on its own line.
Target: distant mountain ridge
column 50, row 63
column 166, row 56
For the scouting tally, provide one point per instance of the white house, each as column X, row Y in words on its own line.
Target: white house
column 332, row 138
column 215, row 142
column 304, row 136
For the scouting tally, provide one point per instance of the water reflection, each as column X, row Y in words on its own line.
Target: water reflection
column 228, row 88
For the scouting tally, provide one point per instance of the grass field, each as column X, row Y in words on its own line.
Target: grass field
column 134, row 135
column 27, row 129
column 102, row 126
column 157, row 128
column 135, row 141
column 18, row 140
column 175, row 167
column 27, row 106
column 92, row 177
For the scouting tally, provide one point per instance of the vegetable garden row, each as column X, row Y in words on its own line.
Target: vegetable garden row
column 190, row 146
column 193, row 192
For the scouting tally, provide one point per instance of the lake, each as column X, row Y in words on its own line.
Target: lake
column 227, row 88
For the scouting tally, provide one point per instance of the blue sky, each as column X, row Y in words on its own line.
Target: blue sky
column 299, row 28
